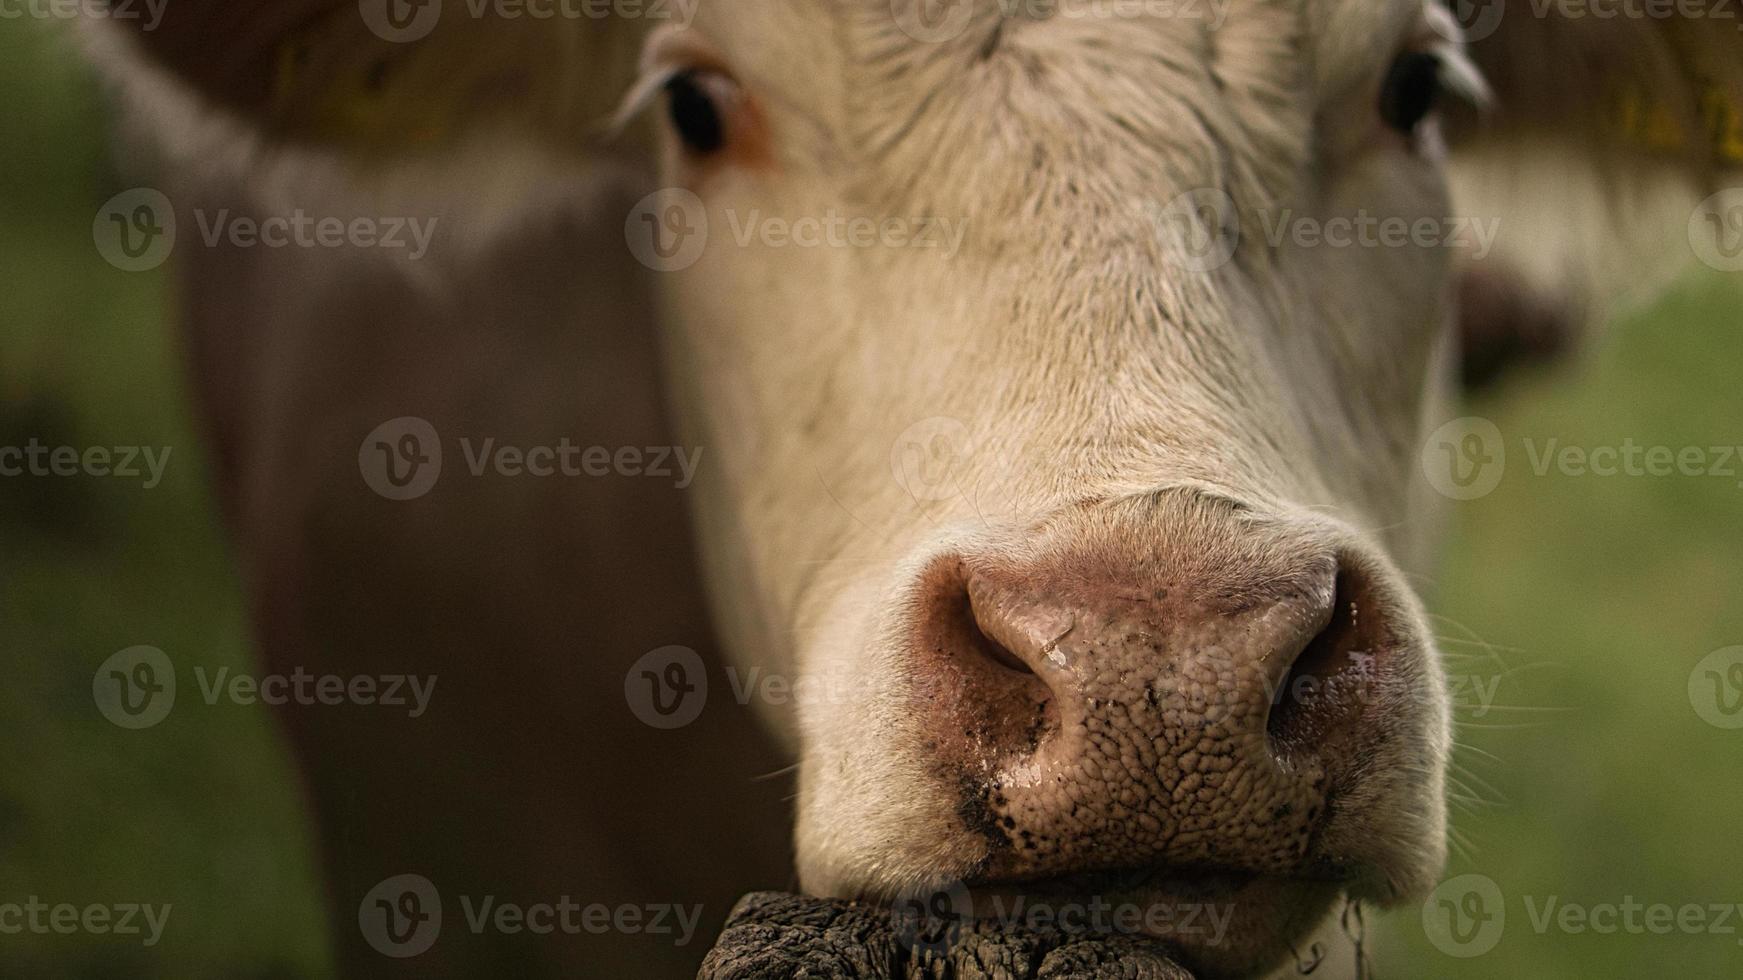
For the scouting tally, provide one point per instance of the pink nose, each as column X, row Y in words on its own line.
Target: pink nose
column 1188, row 692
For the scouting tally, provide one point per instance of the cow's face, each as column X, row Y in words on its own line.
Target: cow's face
column 1080, row 531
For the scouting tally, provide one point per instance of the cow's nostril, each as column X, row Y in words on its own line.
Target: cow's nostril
column 1323, row 693
column 987, row 701
column 978, row 641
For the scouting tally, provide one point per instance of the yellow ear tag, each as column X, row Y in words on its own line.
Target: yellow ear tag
column 360, row 96
column 1653, row 125
column 1724, row 123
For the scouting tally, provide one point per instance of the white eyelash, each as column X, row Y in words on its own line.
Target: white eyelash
column 641, row 95
column 1459, row 75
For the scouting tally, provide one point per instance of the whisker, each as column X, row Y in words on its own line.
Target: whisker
column 825, row 485
column 1516, row 707
column 1459, row 748
column 784, row 770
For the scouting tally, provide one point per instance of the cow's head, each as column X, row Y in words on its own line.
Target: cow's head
column 1056, row 449
column 1059, row 517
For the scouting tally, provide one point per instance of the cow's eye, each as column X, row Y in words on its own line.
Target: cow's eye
column 1411, row 89
column 692, row 103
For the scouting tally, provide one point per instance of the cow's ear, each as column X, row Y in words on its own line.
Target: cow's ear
column 1604, row 157
column 376, row 79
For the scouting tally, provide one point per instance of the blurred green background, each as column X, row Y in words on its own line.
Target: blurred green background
column 1577, row 606
column 201, row 812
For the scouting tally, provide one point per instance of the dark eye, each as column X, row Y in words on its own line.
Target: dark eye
column 1412, row 87
column 695, row 114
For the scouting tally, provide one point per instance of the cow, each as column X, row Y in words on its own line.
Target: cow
column 1051, row 439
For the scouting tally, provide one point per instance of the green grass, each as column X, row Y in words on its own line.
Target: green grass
column 199, row 812
column 1596, row 780
column 1590, row 598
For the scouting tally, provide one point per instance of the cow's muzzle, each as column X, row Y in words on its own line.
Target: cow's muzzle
column 1182, row 701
